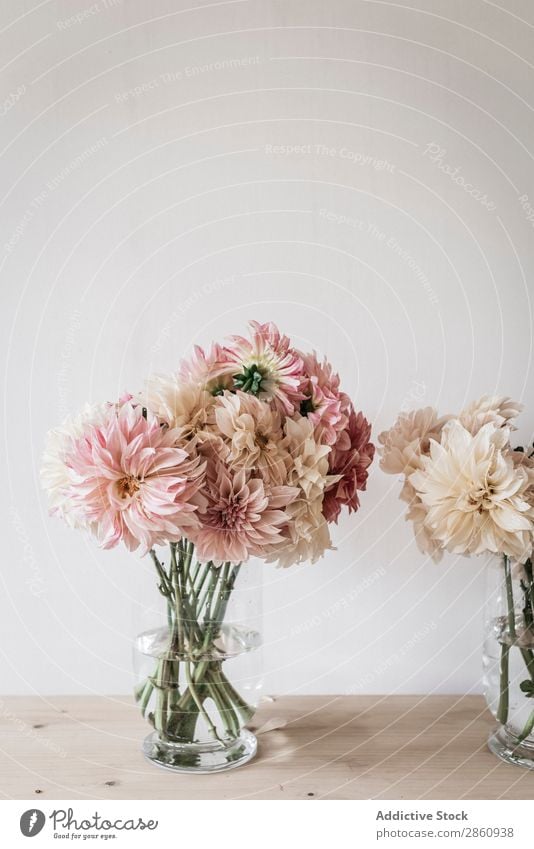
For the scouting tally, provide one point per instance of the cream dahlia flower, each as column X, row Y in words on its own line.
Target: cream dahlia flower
column 404, row 444
column 185, row 406
column 306, row 535
column 416, row 513
column 497, row 409
column 252, row 432
column 524, row 461
column 476, row 496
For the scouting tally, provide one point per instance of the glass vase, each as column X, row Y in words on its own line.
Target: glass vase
column 197, row 662
column 509, row 659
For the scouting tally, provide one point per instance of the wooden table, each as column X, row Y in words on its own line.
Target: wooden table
column 325, row 747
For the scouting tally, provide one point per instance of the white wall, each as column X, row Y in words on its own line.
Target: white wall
column 145, row 208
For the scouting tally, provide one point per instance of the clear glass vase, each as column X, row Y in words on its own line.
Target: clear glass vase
column 509, row 659
column 197, row 662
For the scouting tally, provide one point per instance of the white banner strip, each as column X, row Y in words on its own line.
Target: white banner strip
column 314, row 824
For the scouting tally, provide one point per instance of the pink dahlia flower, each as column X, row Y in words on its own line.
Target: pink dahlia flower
column 267, row 366
column 325, row 405
column 211, row 371
column 242, row 517
column 350, row 457
column 128, row 482
column 55, row 473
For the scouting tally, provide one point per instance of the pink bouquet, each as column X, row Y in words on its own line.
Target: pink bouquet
column 250, row 450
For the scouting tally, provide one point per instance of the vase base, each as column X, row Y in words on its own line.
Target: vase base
column 504, row 747
column 200, row 757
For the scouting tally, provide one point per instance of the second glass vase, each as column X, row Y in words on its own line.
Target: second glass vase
column 509, row 659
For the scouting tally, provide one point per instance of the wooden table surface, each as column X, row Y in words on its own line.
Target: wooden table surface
column 310, row 747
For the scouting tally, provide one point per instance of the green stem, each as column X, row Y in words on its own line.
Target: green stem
column 144, row 695
column 504, row 686
column 527, row 730
column 161, row 700
column 187, row 555
column 502, row 710
column 207, row 598
column 197, row 600
column 170, row 617
column 225, row 712
column 528, row 657
column 530, row 586
column 192, row 577
column 230, row 583
column 199, row 702
column 164, row 587
column 526, row 654
column 178, row 607
column 246, row 711
column 202, row 581
column 510, row 598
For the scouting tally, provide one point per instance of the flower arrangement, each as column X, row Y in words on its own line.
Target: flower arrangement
column 469, row 491
column 251, row 449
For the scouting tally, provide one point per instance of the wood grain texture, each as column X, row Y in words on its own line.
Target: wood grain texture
column 347, row 747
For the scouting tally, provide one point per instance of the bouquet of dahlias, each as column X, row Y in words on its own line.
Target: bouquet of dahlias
column 469, row 491
column 250, row 450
